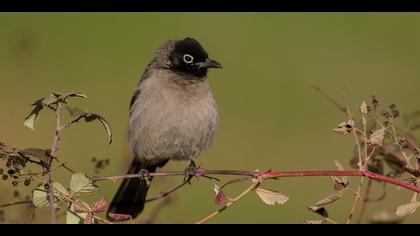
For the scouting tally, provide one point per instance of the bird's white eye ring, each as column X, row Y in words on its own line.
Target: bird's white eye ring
column 188, row 58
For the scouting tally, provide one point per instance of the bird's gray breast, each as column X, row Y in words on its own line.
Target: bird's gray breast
column 172, row 118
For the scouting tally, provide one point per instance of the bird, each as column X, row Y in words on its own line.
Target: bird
column 173, row 115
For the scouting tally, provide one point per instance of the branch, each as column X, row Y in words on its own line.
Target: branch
column 15, row 203
column 164, row 194
column 54, row 151
column 365, row 202
column 231, row 202
column 273, row 175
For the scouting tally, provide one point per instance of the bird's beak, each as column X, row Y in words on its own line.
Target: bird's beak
column 209, row 64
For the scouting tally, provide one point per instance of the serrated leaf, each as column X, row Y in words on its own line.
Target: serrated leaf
column 79, row 184
column 315, row 222
column 40, row 197
column 60, row 192
column 271, row 197
column 330, row 199
column 89, row 219
column 73, row 217
column 99, row 206
column 407, row 209
column 319, row 210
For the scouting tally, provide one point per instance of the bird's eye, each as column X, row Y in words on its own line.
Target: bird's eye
column 188, row 58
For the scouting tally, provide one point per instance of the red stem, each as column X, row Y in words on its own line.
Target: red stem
column 273, row 174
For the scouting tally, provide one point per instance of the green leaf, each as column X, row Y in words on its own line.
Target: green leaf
column 81, row 184
column 40, row 197
column 60, row 192
column 407, row 209
column 73, row 217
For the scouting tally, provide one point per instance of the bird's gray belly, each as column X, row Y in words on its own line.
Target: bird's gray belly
column 172, row 128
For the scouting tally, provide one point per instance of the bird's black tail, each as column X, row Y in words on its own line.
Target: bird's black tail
column 131, row 195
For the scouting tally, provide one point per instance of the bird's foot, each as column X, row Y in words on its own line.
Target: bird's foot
column 145, row 176
column 190, row 172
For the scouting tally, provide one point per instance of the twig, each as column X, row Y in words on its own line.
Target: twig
column 237, row 180
column 356, row 200
column 362, row 163
column 15, row 203
column 102, row 220
column 164, row 194
column 407, row 159
column 64, row 165
column 231, row 202
column 54, row 151
column 335, row 103
column 365, row 202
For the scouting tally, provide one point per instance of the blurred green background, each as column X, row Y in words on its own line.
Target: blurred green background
column 270, row 115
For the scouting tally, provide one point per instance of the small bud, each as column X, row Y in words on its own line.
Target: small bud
column 364, row 108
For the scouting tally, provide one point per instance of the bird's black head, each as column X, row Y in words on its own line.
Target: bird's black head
column 189, row 56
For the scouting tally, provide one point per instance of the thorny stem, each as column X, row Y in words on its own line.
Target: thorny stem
column 64, row 165
column 54, row 151
column 231, row 202
column 274, row 175
column 356, row 200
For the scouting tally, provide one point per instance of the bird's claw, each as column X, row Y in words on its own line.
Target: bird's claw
column 190, row 172
column 145, row 176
